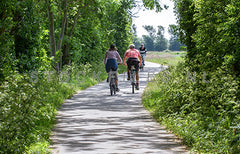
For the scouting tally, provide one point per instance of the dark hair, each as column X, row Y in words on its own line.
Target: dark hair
column 112, row 47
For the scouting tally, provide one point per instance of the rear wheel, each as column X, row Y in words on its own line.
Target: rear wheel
column 133, row 86
column 111, row 90
column 111, row 87
column 114, row 89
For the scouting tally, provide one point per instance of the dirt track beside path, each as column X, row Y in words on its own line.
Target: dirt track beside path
column 94, row 122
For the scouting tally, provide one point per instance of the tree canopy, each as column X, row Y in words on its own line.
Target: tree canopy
column 210, row 30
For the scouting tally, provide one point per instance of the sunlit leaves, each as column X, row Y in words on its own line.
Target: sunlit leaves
column 153, row 5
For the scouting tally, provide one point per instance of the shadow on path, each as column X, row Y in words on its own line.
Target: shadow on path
column 92, row 121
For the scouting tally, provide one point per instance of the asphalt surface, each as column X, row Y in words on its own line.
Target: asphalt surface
column 94, row 122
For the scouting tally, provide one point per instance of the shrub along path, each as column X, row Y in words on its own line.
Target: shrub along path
column 92, row 121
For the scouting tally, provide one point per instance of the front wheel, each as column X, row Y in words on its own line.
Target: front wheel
column 112, row 89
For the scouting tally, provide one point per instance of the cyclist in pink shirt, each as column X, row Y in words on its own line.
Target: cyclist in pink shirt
column 133, row 57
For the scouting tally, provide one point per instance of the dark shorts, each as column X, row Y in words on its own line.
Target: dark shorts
column 133, row 62
column 111, row 64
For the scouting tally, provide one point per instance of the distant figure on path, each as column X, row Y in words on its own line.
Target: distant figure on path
column 143, row 52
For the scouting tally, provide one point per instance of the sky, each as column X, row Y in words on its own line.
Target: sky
column 150, row 17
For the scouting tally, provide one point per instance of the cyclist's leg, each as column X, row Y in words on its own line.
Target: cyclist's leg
column 112, row 65
column 143, row 60
column 129, row 63
column 137, row 80
column 107, row 67
column 136, row 63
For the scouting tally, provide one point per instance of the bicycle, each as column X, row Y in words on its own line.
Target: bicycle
column 112, row 83
column 132, row 78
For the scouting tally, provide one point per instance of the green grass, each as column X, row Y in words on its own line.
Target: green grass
column 166, row 58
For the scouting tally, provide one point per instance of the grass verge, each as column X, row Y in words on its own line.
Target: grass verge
column 166, row 58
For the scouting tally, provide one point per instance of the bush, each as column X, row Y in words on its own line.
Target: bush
column 29, row 103
column 202, row 108
column 28, row 110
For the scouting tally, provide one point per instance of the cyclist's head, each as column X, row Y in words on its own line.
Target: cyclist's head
column 131, row 46
column 142, row 45
column 112, row 47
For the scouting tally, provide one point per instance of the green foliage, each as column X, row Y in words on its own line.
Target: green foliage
column 184, row 10
column 148, row 42
column 210, row 31
column 28, row 110
column 199, row 99
column 155, row 41
column 200, row 107
column 153, row 4
column 29, row 104
column 174, row 42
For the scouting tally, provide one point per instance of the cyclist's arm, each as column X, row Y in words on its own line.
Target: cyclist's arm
column 125, row 58
column 119, row 58
column 139, row 57
column 124, row 61
column 105, row 59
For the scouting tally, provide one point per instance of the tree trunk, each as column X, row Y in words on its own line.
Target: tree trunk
column 62, row 33
column 51, row 29
column 66, row 56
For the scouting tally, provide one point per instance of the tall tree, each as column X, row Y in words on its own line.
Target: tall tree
column 161, row 43
column 56, row 46
column 185, row 10
column 174, row 42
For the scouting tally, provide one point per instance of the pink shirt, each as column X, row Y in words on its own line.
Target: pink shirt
column 132, row 53
column 112, row 55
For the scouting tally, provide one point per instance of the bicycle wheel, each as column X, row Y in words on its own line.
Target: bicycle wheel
column 111, row 90
column 111, row 87
column 133, row 85
column 114, row 89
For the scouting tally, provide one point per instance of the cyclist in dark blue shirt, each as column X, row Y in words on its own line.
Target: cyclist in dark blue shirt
column 143, row 52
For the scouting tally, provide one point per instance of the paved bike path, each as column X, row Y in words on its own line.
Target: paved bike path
column 93, row 122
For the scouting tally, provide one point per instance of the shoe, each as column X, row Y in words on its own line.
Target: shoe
column 117, row 89
column 128, row 78
column 143, row 64
column 137, row 86
column 108, row 79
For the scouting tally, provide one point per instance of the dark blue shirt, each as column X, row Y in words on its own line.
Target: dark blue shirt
column 142, row 51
